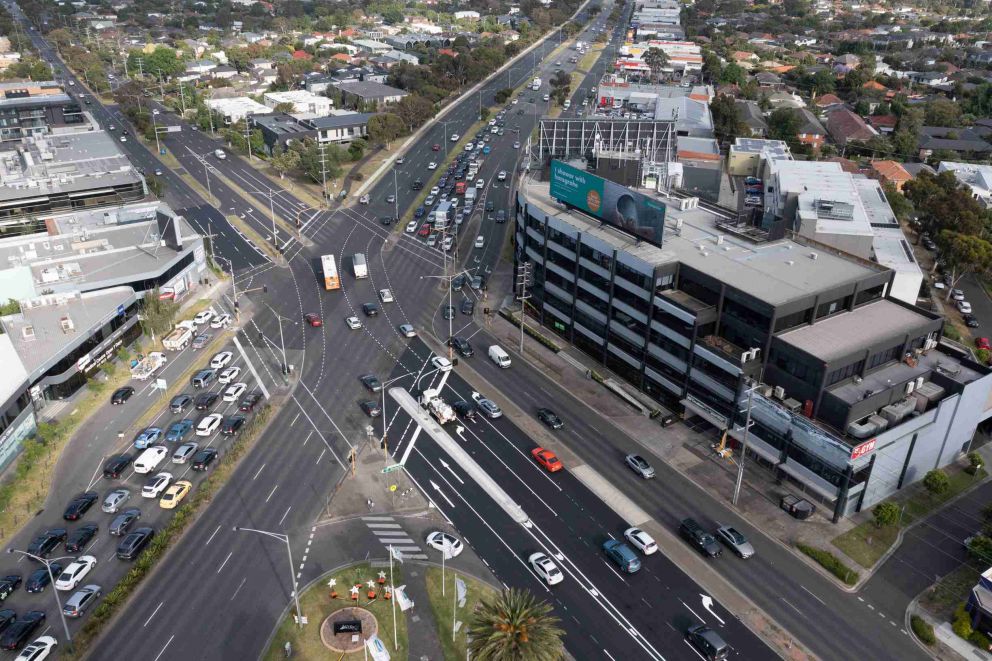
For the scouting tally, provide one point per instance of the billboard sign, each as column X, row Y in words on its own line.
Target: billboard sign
column 861, row 450
column 610, row 202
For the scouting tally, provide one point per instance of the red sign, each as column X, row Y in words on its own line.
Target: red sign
column 863, row 449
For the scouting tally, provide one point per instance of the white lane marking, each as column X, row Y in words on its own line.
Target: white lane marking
column 692, row 611
column 239, row 588
column 225, row 561
column 272, row 492
column 152, row 616
column 212, row 535
column 284, row 515
column 164, row 648
column 258, row 471
column 812, row 595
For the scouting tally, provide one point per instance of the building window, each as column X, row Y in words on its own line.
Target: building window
column 868, row 295
column 843, row 373
column 885, row 356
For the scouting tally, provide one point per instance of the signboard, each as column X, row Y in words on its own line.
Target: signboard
column 120, row 310
column 863, row 449
column 377, row 649
column 348, row 627
column 610, row 202
column 390, row 469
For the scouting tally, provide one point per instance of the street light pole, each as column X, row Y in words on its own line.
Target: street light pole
column 272, row 212
column 396, row 198
column 51, row 578
column 158, row 145
column 234, row 283
column 289, row 551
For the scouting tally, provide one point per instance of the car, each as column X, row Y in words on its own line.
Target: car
column 697, row 536
column 425, row 230
column 487, row 406
column 371, row 408
column 184, row 452
column 79, row 504
column 234, row 391
column 249, row 402
column 180, row 403
column 114, row 500
column 436, row 190
column 203, row 317
column 752, row 201
column 80, row 600
column 221, row 321
column 429, row 200
column 123, row 138
column 39, row 579
column 639, row 465
column 411, row 227
column 516, row 145
column 441, row 364
column 448, row 312
column 514, row 102
column 372, row 382
column 220, row 360
column 970, row 321
column 46, row 542
column 501, row 216
column 735, row 541
column 121, row 395
column 957, row 295
column 546, row 458
column 406, row 330
column 964, row 307
column 622, row 556
column 8, row 585
column 548, row 417
column 469, row 147
column 229, row 375
column 464, row 409
column 707, row 642
column 131, row 546
column 115, row 466
column 390, row 198
column 462, row 346
column 546, row 97
column 209, row 424
column 18, row 632
column 232, row 425
column 354, row 323
column 202, row 340
column 983, row 343
column 480, row 241
column 202, row 459
column 447, row 544
column 417, row 184
column 480, row 183
column 432, row 240
column 73, row 575
column 501, row 176
column 175, row 494
column 448, row 242
column 205, row 401
column 370, row 309
column 147, row 437
column 155, row 485
column 364, row 199
column 435, row 147
column 467, row 306
column 477, row 283
column 455, row 137
column 432, row 166
column 80, row 537
column 545, row 568
column 178, row 430
column 386, row 296
column 640, row 540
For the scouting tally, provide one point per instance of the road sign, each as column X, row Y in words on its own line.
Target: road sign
column 160, row 384
column 394, row 467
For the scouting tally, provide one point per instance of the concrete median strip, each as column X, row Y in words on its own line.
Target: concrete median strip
column 628, row 510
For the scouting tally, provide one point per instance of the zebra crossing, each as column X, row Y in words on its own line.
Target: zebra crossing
column 389, row 533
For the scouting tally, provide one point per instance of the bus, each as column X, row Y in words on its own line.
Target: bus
column 330, row 269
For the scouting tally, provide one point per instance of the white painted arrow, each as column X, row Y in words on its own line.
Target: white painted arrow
column 438, row 489
column 450, row 470
column 708, row 605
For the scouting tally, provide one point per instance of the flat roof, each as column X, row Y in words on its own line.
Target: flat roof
column 774, row 272
column 842, row 334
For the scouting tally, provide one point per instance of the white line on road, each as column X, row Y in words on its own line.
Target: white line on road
column 225, row 561
column 790, row 605
column 212, row 536
column 693, row 612
column 154, row 612
column 258, row 471
column 613, row 570
column 284, row 515
column 294, row 420
column 164, row 648
column 308, row 435
column 322, row 453
column 272, row 492
column 812, row 595
column 239, row 588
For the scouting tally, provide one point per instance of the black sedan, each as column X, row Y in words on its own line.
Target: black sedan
column 232, row 425
column 370, row 309
column 371, row 408
column 448, row 312
column 8, row 584
column 46, row 542
column 80, row 537
column 249, row 402
column 205, row 401
column 464, row 409
column 548, row 417
column 121, row 395
column 467, row 306
column 203, row 459
column 462, row 346
column 18, row 633
column 123, row 521
column 39, row 579
column 372, row 382
column 116, row 465
column 7, row 617
column 970, row 321
column 78, row 505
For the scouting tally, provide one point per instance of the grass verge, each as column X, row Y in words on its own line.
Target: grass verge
column 588, row 60
column 183, row 517
column 316, row 605
column 831, row 563
column 444, row 608
column 866, row 543
column 514, row 318
column 945, row 595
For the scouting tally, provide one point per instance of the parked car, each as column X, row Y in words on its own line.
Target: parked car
column 8, row 585
column 18, row 632
column 78, row 506
column 964, row 307
column 115, row 500
column 983, row 343
column 74, row 574
column 121, row 395
column 135, row 542
column 640, row 540
column 40, row 578
column 114, row 467
column 81, row 599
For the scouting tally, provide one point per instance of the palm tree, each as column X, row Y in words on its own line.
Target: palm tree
column 515, row 626
column 656, row 59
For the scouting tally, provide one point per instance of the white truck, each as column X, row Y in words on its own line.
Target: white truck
column 439, row 408
column 536, row 85
column 359, row 265
column 219, row 153
column 178, row 339
column 443, row 215
column 470, row 195
column 148, row 366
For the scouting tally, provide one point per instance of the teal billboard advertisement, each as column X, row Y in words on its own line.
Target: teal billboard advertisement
column 609, row 202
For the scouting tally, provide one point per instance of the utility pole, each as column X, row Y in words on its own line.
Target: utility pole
column 323, row 171
column 747, row 427
column 523, row 279
column 396, row 198
column 182, row 98
column 248, row 142
column 272, row 212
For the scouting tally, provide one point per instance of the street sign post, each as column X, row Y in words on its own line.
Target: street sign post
column 394, row 467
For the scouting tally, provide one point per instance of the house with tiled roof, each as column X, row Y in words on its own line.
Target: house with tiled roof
column 828, row 101
column 752, row 117
column 890, row 172
column 884, row 124
column 846, row 164
column 874, row 86
column 810, row 131
column 844, row 125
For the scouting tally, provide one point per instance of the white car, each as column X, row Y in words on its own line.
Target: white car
column 38, row 650
column 234, row 391
column 964, row 307
column 514, row 102
column 502, row 175
column 223, row 321
column 184, row 452
column 74, row 573
column 229, row 375
column 149, row 460
column 469, row 147
column 480, row 241
column 156, row 485
column 412, row 226
column 545, row 568
column 642, row 541
column 448, row 242
column 203, row 317
column 455, row 137
column 441, row 363
column 516, row 145
column 957, row 295
column 432, row 166
column 354, row 323
column 221, row 360
column 447, row 544
column 209, row 424
column 480, row 183
column 435, row 192
column 385, row 296
column 123, row 138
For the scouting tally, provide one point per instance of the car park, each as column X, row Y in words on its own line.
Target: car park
column 232, row 425
column 202, row 459
column 156, row 484
column 146, row 437
column 205, row 401
column 406, row 330
column 697, row 536
column 353, row 323
column 221, row 360
column 549, row 418
column 640, row 540
column 74, row 574
column 209, row 424
column 184, row 452
column 115, row 500
column 81, row 599
column 235, row 391
column 180, row 403
column 39, row 579
column 545, row 568
column 447, row 544
column 175, row 494
column 79, row 538
column 79, row 505
column 229, row 375
column 622, row 556
column 735, row 541
column 131, row 546
column 115, row 466
column 639, row 465
column 121, row 395
column 18, row 632
column 547, row 459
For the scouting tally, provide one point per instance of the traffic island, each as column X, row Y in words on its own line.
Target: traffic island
column 341, row 610
column 453, row 606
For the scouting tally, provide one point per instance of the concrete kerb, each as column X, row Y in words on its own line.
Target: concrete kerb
column 389, row 162
column 907, row 624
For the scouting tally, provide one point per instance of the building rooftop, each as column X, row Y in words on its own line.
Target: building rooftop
column 341, row 120
column 368, row 89
column 772, row 149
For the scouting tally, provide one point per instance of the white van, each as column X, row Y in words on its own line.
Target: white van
column 150, row 459
column 359, row 265
column 498, row 356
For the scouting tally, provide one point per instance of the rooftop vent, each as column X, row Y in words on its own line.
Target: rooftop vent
column 67, row 325
column 27, row 333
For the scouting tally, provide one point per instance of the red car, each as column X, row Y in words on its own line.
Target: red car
column 424, row 230
column 436, row 147
column 983, row 343
column 313, row 320
column 547, row 459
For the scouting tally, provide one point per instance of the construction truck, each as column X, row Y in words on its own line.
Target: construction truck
column 178, row 339
column 148, row 366
column 439, row 408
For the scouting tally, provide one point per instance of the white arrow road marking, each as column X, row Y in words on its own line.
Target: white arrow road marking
column 451, row 470
column 708, row 605
column 443, row 495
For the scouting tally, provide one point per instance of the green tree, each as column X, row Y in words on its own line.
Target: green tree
column 515, row 626
column 60, row 37
column 385, row 127
column 732, row 74
column 962, row 254
column 936, row 482
column 727, row 122
column 285, row 106
column 656, row 60
column 12, row 306
column 942, row 112
column 943, row 203
column 822, row 82
column 158, row 315
column 783, row 124
column 901, row 206
column 503, row 95
column 285, row 161
column 357, row 149
column 414, row 110
column 886, row 514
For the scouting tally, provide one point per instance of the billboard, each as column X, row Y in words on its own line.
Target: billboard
column 610, row 202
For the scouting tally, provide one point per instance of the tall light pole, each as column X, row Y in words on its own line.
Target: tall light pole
column 206, row 172
column 272, row 212
column 234, row 282
column 396, row 198
column 292, row 574
column 282, row 341
column 51, row 578
column 747, row 427
column 158, row 145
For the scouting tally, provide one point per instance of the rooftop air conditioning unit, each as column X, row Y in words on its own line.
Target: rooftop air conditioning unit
column 27, row 333
column 910, row 386
column 779, row 392
column 858, row 379
column 813, row 256
column 919, row 382
column 66, row 324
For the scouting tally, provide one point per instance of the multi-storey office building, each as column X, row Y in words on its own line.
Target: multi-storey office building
column 857, row 396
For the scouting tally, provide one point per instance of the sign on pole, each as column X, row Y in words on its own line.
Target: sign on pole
column 390, row 469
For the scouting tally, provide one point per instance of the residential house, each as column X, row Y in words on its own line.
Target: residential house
column 810, row 131
column 976, row 176
column 744, row 59
column 971, row 143
column 768, row 80
column 368, row 92
column 785, row 100
column 884, row 124
column 826, row 102
column 890, row 172
column 752, row 117
column 843, row 125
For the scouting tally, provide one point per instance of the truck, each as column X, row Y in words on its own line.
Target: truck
column 148, row 365
column 443, row 215
column 470, row 195
column 536, row 85
column 330, row 270
column 359, row 265
column 460, row 188
column 178, row 339
column 439, row 408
